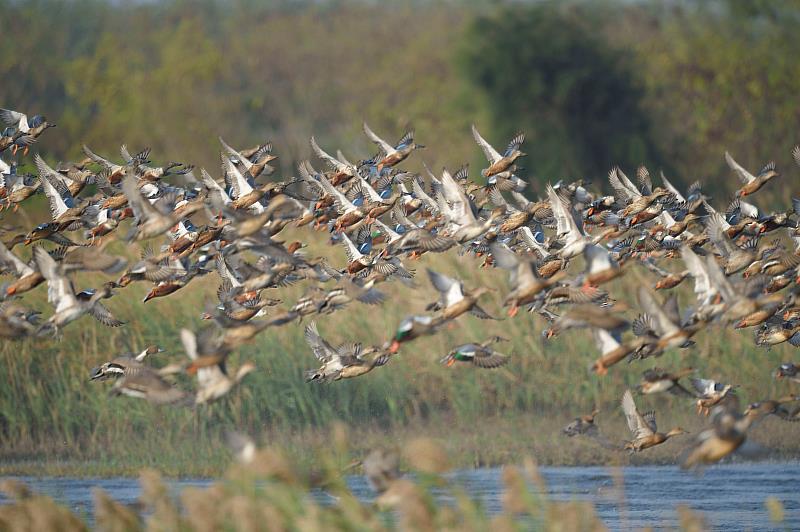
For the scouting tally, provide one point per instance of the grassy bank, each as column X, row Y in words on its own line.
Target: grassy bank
column 495, row 441
column 53, row 419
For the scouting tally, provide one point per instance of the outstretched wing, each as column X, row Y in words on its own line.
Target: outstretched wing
column 323, row 350
column 638, row 425
column 745, row 176
column 488, row 150
column 386, row 148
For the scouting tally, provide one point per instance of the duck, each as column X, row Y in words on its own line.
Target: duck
column 587, row 315
column 600, row 266
column 643, row 427
column 392, row 155
column 31, row 127
column 61, row 294
column 342, row 170
column 710, row 393
column 582, row 425
column 455, row 299
column 751, row 183
column 17, row 322
column 735, row 258
column 243, row 195
column 788, row 370
column 728, row 431
column 499, row 164
column 346, row 361
column 413, row 327
column 213, row 380
column 142, row 382
column 348, row 213
column 255, row 161
column 612, row 349
column 574, row 240
column 348, row 290
column 27, row 276
column 480, row 355
column 461, row 225
column 656, row 380
column 150, row 222
column 775, row 332
column 116, row 367
column 524, row 278
column 10, row 137
column 19, row 187
column 659, row 324
column 775, row 407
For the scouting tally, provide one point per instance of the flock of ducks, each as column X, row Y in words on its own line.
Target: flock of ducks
column 191, row 224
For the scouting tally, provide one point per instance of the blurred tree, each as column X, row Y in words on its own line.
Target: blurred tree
column 544, row 71
column 722, row 76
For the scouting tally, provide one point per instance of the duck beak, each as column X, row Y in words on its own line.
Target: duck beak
column 394, row 347
column 96, row 373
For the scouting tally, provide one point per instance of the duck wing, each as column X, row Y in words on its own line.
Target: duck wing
column 105, row 163
column 332, row 162
column 489, row 359
column 669, row 186
column 239, row 185
column 449, row 288
column 491, row 154
column 101, row 313
column 638, row 424
column 323, row 350
column 744, row 176
column 60, row 292
column 216, row 192
column 8, row 258
column 57, row 193
column 385, row 147
column 661, row 320
column 703, row 288
column 565, row 222
column 15, row 118
column 606, row 341
column 233, row 154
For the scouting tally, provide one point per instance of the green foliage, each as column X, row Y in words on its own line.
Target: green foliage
column 544, row 71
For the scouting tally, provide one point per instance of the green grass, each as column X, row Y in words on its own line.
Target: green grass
column 52, row 418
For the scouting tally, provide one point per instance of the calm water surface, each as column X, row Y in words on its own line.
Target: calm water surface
column 730, row 497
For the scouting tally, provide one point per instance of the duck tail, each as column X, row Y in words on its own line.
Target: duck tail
column 313, row 375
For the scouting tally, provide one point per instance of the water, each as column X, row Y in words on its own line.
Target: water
column 728, row 496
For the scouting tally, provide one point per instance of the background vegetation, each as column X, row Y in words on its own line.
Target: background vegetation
column 592, row 85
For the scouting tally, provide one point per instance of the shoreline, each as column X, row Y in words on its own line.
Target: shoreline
column 501, row 441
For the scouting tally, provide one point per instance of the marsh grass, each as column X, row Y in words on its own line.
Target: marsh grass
column 53, row 418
